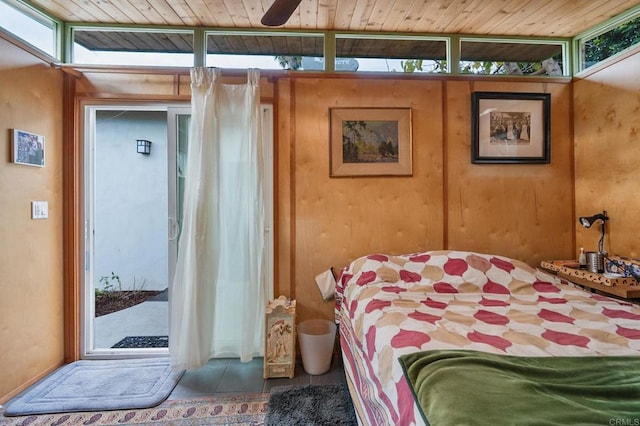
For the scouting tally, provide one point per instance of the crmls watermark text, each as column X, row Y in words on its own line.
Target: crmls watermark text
column 624, row 422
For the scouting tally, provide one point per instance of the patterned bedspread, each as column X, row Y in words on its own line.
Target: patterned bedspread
column 393, row 305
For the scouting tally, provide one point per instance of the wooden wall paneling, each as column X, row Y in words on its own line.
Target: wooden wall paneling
column 184, row 85
column 267, row 89
column 340, row 219
column 519, row 210
column 31, row 271
column 124, row 84
column 73, row 241
column 607, row 150
column 284, row 224
column 173, row 83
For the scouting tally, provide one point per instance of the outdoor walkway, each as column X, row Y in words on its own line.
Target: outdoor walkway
column 148, row 318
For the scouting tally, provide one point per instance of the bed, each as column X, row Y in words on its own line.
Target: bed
column 395, row 310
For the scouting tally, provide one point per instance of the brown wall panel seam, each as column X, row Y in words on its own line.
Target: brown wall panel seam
column 276, row 196
column 71, row 223
column 445, row 180
column 292, row 187
column 572, row 171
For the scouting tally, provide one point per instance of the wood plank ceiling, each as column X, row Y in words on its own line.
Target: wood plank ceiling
column 529, row 18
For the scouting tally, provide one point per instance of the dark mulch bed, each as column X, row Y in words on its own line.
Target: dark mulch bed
column 143, row 342
column 114, row 301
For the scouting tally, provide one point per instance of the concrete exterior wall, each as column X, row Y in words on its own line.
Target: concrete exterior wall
column 131, row 204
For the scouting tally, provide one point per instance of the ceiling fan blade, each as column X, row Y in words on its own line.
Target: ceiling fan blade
column 279, row 12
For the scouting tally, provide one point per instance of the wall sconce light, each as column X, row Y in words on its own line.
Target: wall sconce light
column 587, row 221
column 144, row 146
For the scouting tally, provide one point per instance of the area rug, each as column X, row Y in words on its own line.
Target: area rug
column 311, row 405
column 240, row 409
column 143, row 342
column 99, row 385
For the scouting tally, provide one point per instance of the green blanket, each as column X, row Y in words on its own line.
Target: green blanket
column 462, row 387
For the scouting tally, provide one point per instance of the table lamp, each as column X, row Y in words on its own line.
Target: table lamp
column 587, row 221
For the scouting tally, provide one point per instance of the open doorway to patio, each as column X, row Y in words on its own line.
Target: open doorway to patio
column 129, row 221
column 133, row 204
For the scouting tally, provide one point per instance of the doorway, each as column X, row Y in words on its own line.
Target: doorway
column 126, row 228
column 133, row 205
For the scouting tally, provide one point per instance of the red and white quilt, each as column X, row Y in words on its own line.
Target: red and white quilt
column 393, row 305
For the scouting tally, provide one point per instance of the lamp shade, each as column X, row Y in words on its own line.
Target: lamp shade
column 587, row 221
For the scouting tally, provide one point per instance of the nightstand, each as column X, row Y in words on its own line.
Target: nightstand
column 624, row 287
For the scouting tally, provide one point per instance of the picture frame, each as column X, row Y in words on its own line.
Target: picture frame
column 510, row 128
column 27, row 148
column 370, row 142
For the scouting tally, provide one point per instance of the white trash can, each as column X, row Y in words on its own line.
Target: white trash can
column 316, row 339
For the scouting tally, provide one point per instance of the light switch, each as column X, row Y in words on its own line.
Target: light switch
column 39, row 209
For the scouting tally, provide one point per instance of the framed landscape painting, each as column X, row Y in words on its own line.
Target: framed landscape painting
column 510, row 127
column 370, row 142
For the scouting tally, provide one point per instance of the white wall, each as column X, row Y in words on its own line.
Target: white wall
column 131, row 199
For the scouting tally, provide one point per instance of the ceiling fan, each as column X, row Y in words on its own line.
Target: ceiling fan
column 279, row 12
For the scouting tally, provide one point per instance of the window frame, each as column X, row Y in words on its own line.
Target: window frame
column 73, row 28
column 578, row 65
column 39, row 17
column 572, row 51
column 564, row 43
column 396, row 36
column 258, row 33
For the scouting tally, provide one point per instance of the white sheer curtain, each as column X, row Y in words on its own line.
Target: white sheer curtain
column 218, row 294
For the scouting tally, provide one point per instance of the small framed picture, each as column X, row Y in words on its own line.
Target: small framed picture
column 27, row 148
column 510, row 127
column 370, row 142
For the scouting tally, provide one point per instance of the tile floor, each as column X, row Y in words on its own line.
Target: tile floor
column 224, row 376
column 218, row 376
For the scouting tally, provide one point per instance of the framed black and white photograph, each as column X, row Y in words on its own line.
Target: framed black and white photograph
column 510, row 128
column 27, row 148
column 370, row 142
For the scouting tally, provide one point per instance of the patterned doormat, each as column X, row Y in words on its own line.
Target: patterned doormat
column 143, row 342
column 240, row 409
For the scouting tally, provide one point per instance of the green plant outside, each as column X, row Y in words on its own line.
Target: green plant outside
column 110, row 284
column 614, row 41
